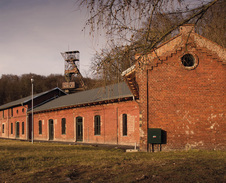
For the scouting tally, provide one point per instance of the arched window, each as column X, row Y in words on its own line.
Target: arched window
column 63, row 125
column 124, row 124
column 51, row 129
column 11, row 112
column 40, row 126
column 79, row 128
column 3, row 128
column 11, row 128
column 22, row 127
column 97, row 125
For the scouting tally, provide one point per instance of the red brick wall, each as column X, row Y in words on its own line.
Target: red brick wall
column 111, row 123
column 19, row 115
column 4, row 121
column 141, row 77
column 188, row 104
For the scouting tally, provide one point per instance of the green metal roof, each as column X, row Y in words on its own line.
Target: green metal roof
column 111, row 92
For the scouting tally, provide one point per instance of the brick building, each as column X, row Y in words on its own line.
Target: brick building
column 15, row 119
column 106, row 115
column 181, row 89
column 173, row 96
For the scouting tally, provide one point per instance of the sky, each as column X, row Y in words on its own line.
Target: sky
column 33, row 33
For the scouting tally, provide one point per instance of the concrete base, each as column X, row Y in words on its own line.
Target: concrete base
column 131, row 150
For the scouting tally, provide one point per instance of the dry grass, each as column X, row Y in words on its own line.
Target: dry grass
column 46, row 162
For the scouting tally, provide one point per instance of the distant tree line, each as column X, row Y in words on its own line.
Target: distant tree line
column 13, row 87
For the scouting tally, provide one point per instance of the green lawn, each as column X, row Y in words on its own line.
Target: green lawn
column 50, row 162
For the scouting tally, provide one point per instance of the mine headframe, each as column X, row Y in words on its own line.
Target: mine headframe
column 71, row 65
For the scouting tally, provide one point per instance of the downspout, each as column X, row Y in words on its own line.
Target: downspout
column 147, row 108
column 117, row 123
column 8, row 121
column 104, row 121
column 27, row 120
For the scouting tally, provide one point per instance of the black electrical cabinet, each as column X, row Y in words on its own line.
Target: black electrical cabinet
column 156, row 136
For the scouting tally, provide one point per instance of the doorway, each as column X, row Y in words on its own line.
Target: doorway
column 51, row 129
column 17, row 129
column 79, row 129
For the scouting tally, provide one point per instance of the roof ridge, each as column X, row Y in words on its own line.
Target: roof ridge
column 110, row 93
column 26, row 99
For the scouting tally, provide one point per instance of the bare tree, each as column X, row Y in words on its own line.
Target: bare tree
column 122, row 19
column 110, row 63
column 137, row 26
column 212, row 25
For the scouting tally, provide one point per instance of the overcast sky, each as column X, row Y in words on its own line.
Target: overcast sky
column 33, row 33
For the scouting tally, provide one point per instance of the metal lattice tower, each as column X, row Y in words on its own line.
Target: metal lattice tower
column 71, row 65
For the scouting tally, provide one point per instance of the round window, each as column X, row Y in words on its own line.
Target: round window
column 189, row 61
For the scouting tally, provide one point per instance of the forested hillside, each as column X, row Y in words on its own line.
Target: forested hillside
column 13, row 87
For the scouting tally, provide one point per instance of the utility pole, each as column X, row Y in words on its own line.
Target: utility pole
column 32, row 117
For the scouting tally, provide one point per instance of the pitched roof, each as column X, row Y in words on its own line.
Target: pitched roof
column 97, row 95
column 27, row 99
column 177, row 41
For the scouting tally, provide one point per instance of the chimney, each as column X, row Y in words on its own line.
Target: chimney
column 187, row 28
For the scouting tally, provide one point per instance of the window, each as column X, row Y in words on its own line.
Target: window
column 22, row 127
column 189, row 61
column 40, row 127
column 97, row 125
column 63, row 126
column 3, row 128
column 124, row 124
column 79, row 128
column 17, row 129
column 23, row 110
column 11, row 111
column 11, row 128
column 3, row 113
column 17, row 111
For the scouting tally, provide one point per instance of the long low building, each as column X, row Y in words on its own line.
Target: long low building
column 107, row 115
column 172, row 98
column 15, row 120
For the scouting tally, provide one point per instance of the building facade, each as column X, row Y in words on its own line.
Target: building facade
column 107, row 115
column 15, row 119
column 115, row 123
column 182, row 91
column 172, row 98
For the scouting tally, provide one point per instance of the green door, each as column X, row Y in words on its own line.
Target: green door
column 79, row 129
column 51, row 129
column 17, row 129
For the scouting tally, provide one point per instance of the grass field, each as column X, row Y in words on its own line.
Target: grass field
column 46, row 162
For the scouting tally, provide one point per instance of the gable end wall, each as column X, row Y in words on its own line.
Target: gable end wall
column 188, row 104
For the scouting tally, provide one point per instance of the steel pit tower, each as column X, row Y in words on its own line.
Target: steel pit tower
column 71, row 71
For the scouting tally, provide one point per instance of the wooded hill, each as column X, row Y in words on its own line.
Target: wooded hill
column 13, row 87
